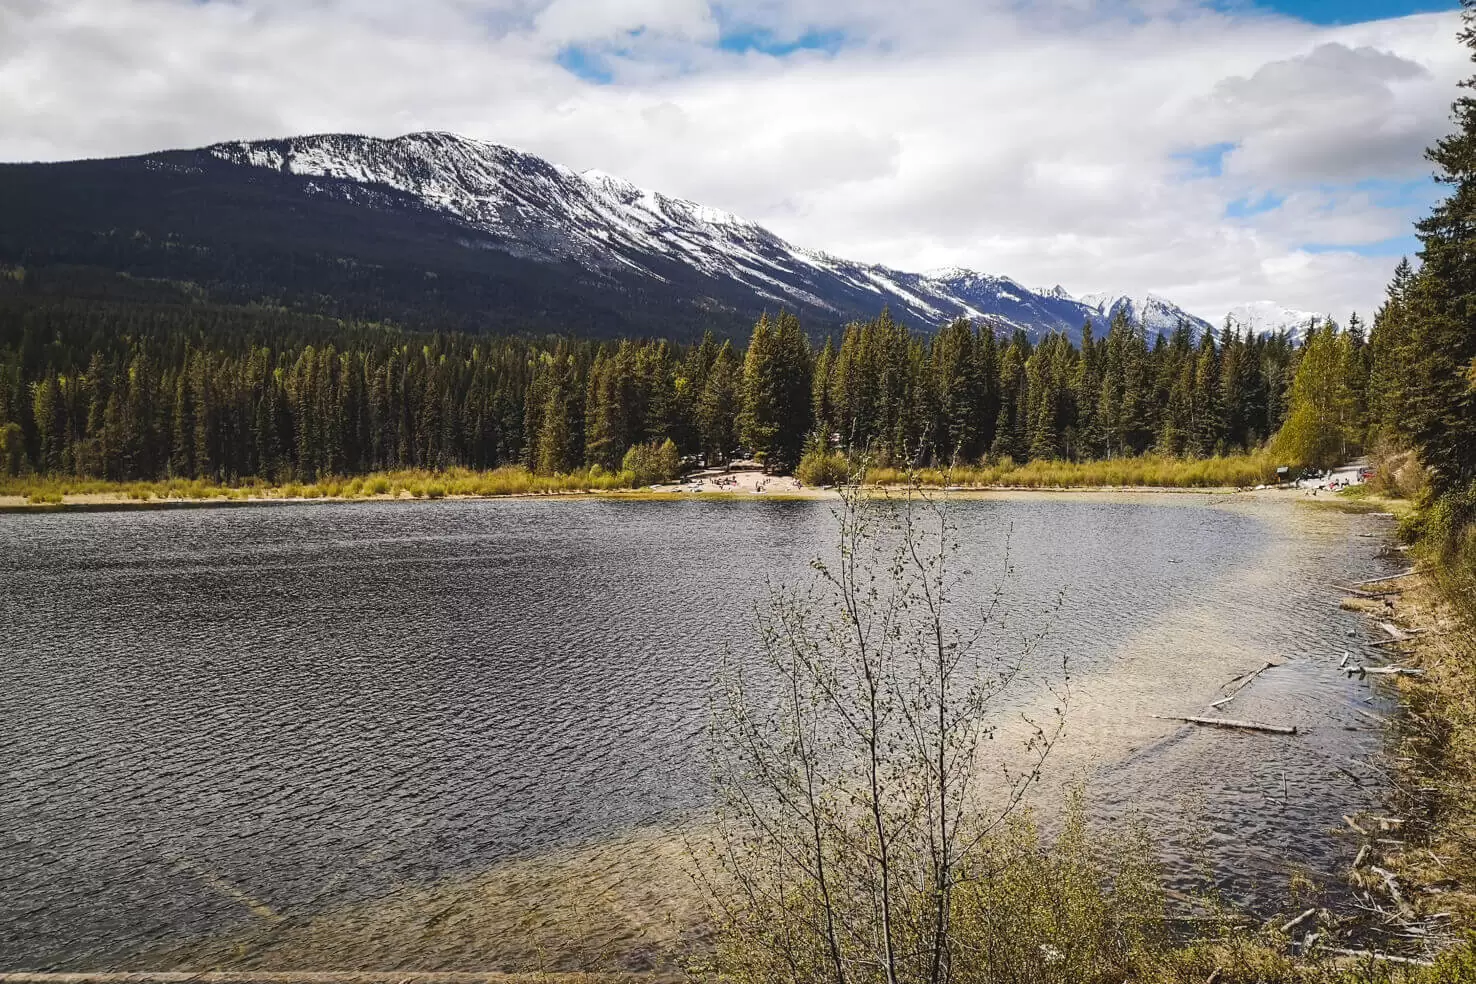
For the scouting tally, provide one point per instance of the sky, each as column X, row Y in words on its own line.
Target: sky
column 1215, row 152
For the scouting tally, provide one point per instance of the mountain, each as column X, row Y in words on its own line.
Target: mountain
column 1268, row 317
column 436, row 228
column 1153, row 314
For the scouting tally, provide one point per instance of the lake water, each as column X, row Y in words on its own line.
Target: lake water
column 233, row 724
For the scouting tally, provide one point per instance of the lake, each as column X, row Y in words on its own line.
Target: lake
column 221, row 730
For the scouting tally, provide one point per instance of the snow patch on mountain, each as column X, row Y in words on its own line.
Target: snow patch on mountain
column 1268, row 317
column 1154, row 315
column 536, row 209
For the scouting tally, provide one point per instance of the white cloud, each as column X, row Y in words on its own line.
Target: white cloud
column 1041, row 140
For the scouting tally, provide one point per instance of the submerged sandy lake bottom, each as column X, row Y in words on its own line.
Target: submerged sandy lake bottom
column 456, row 734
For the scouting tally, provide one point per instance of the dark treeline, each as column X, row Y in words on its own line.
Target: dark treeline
column 1423, row 358
column 126, row 390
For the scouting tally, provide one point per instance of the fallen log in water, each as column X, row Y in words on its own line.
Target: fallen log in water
column 1384, row 671
column 1230, row 723
column 1366, row 594
column 1244, row 680
column 1391, row 577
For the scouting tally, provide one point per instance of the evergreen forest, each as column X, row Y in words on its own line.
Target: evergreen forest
column 147, row 387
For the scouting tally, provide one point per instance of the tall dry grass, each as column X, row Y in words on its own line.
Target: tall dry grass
column 1148, row 471
column 414, row 483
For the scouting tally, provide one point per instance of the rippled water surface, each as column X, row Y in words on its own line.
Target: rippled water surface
column 215, row 719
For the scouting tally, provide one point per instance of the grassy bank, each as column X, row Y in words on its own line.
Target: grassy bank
column 1437, row 735
column 1238, row 471
column 417, row 484
column 1423, row 874
column 1148, row 471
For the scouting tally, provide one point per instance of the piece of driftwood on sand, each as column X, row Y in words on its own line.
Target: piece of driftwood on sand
column 1395, row 632
column 1299, row 920
column 1375, row 955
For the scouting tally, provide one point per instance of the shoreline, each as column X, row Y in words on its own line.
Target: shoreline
column 1434, row 857
column 122, row 502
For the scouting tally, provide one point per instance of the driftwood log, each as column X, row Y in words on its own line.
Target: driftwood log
column 1384, row 671
column 1395, row 632
column 1293, row 924
column 1244, row 680
column 1391, row 577
column 1374, row 955
column 1230, row 723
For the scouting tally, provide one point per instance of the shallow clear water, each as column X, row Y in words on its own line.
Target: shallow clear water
column 211, row 714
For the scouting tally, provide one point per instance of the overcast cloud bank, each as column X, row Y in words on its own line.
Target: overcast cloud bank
column 1126, row 145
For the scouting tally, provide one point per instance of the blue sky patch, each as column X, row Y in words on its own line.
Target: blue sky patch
column 1393, row 247
column 1244, row 208
column 1417, row 195
column 1355, row 11
column 585, row 64
column 746, row 39
column 1207, row 161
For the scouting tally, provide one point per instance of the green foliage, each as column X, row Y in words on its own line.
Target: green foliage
column 777, row 373
column 1083, row 906
column 129, row 390
column 820, row 467
column 12, row 450
column 652, row 463
column 1324, row 426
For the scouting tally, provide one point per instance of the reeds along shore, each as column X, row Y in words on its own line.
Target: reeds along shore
column 1238, row 471
column 415, row 484
column 1148, row 471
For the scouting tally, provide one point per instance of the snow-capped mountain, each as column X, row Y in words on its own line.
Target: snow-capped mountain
column 439, row 230
column 1268, row 317
column 536, row 209
column 1153, row 314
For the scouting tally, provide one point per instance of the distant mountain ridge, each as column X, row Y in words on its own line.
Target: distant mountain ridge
column 606, row 223
column 439, row 225
column 1265, row 317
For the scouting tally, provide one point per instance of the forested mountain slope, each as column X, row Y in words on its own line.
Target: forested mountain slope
column 436, row 230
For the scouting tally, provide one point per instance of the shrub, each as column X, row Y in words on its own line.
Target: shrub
column 652, row 463
column 823, row 468
column 1397, row 473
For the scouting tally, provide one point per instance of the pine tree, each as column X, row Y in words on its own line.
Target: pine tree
column 1440, row 386
column 777, row 394
column 955, row 377
column 718, row 409
column 1318, row 430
